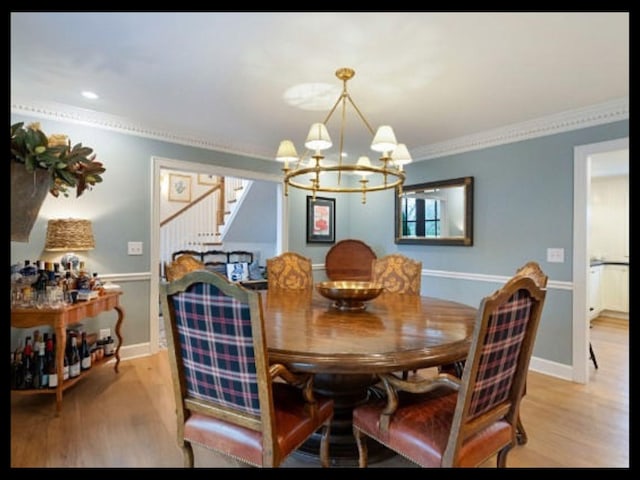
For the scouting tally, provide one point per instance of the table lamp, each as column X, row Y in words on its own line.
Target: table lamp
column 69, row 235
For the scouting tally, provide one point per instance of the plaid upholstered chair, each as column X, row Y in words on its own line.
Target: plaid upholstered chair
column 451, row 422
column 397, row 273
column 289, row 270
column 226, row 393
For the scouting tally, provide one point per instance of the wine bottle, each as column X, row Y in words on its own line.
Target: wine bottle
column 27, row 364
column 39, row 373
column 50, row 360
column 85, row 354
column 74, row 359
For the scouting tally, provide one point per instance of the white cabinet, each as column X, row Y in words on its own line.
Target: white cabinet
column 595, row 291
column 615, row 288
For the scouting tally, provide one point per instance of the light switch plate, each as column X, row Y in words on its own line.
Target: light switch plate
column 555, row 255
column 134, row 248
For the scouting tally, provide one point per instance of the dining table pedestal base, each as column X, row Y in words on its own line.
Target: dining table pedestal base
column 347, row 391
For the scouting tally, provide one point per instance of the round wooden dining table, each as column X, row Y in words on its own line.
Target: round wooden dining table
column 345, row 350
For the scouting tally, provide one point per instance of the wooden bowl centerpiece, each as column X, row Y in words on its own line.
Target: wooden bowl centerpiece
column 349, row 295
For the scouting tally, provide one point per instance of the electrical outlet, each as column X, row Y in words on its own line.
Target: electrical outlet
column 555, row 255
column 134, row 248
column 104, row 333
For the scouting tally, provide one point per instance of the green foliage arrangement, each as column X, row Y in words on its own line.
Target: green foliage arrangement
column 68, row 167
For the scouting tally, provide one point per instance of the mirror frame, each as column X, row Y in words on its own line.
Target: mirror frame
column 466, row 240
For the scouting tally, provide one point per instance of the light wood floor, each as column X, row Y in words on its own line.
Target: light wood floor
column 127, row 419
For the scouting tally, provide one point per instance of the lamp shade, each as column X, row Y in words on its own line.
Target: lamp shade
column 401, row 155
column 318, row 138
column 384, row 140
column 68, row 235
column 364, row 162
column 287, row 152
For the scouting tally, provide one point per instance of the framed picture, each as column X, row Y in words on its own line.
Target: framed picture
column 321, row 220
column 179, row 188
column 238, row 272
column 207, row 179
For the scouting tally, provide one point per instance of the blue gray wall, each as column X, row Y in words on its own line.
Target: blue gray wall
column 523, row 204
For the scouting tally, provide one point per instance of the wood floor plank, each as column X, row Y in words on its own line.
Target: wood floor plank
column 128, row 419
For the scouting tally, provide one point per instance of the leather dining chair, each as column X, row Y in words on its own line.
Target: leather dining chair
column 532, row 270
column 228, row 397
column 462, row 422
column 397, row 273
column 289, row 270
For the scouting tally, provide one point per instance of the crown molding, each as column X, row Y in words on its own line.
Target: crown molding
column 91, row 118
column 607, row 112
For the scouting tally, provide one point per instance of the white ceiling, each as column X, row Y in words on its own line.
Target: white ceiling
column 220, row 78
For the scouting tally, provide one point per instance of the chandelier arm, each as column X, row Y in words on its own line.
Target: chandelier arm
column 371, row 130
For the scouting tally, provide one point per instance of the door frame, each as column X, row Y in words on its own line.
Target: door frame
column 581, row 191
column 159, row 163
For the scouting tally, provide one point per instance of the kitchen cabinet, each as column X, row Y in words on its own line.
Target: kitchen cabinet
column 595, row 291
column 615, row 288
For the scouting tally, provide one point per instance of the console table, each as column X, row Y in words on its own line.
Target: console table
column 59, row 319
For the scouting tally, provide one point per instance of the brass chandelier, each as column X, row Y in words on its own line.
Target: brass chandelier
column 388, row 175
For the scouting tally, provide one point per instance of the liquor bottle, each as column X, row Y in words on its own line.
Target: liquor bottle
column 83, row 281
column 52, row 365
column 27, row 364
column 65, row 359
column 39, row 373
column 85, row 354
column 74, row 359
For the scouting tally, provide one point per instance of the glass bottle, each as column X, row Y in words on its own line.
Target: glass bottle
column 27, row 364
column 74, row 358
column 109, row 346
column 85, row 353
column 52, row 365
column 39, row 373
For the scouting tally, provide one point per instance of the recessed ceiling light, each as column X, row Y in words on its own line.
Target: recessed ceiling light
column 90, row 95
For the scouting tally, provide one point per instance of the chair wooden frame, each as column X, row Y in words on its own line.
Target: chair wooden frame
column 235, row 431
column 349, row 259
column 471, row 438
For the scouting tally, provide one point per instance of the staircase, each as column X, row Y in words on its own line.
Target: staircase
column 201, row 224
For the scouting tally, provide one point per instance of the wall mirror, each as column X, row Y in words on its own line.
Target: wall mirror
column 436, row 213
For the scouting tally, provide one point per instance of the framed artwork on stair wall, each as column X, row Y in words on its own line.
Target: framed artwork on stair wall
column 179, row 188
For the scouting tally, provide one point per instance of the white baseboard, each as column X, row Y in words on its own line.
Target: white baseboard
column 553, row 369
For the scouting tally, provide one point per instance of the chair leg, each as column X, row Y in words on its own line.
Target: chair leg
column 324, row 444
column 187, row 452
column 521, row 434
column 501, row 461
column 592, row 356
column 361, row 442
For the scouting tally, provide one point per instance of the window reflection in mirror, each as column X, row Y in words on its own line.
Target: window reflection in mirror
column 436, row 213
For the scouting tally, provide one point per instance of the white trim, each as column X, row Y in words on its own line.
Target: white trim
column 607, row 112
column 581, row 188
column 126, row 277
column 599, row 114
column 553, row 369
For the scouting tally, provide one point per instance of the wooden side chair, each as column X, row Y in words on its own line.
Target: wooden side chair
column 461, row 422
column 532, row 270
column 289, row 270
column 397, row 273
column 182, row 265
column 226, row 393
column 349, row 259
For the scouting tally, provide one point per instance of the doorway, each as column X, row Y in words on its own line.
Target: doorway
column 581, row 189
column 159, row 164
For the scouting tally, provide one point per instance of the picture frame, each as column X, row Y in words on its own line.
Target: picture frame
column 179, row 188
column 238, row 271
column 321, row 220
column 207, row 179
